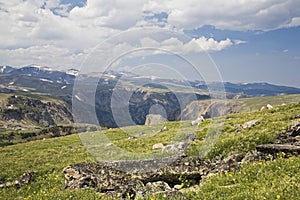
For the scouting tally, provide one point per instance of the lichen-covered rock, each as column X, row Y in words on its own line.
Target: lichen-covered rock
column 134, row 178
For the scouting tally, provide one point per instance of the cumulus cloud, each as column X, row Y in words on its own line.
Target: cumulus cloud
column 194, row 45
column 49, row 23
column 118, row 14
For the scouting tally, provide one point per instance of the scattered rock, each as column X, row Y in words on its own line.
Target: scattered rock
column 177, row 148
column 25, row 179
column 197, row 121
column 164, row 129
column 262, row 108
column 152, row 119
column 269, row 106
column 250, row 124
column 158, row 146
column 290, row 136
column 297, row 116
column 190, row 137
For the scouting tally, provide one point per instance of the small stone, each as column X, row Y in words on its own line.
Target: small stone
column 250, row 124
column 178, row 187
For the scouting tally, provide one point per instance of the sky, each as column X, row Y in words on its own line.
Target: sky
column 247, row 41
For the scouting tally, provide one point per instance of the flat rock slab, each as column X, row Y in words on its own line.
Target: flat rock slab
column 277, row 148
column 122, row 176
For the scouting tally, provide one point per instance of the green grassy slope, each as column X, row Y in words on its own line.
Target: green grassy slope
column 273, row 179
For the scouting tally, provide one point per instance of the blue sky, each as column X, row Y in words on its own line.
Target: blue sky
column 249, row 41
column 272, row 56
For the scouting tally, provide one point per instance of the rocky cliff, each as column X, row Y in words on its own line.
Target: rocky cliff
column 22, row 112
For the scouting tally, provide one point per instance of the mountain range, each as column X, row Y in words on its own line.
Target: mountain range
column 142, row 92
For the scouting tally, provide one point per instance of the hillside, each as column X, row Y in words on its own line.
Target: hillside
column 274, row 178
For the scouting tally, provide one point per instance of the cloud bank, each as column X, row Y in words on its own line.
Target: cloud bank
column 36, row 30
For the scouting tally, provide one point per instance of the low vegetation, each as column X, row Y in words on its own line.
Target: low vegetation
column 273, row 179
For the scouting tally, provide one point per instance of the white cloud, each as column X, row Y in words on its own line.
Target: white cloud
column 118, row 14
column 48, row 55
column 194, row 45
column 232, row 15
column 26, row 25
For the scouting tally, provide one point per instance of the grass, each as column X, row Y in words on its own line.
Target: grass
column 234, row 139
column 278, row 178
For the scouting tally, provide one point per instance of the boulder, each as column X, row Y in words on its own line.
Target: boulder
column 158, row 146
column 250, row 124
column 177, row 148
column 197, row 121
column 152, row 119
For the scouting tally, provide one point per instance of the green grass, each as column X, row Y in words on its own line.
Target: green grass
column 273, row 179
column 276, row 179
column 232, row 141
column 256, row 103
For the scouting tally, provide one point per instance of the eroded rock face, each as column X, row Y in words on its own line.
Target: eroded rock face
column 36, row 111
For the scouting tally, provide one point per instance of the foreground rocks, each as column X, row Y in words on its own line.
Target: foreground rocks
column 169, row 176
column 25, row 179
column 139, row 178
column 287, row 142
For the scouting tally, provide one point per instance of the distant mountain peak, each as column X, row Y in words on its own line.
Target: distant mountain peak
column 5, row 69
column 73, row 72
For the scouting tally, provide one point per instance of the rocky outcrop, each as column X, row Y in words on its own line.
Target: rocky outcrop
column 278, row 148
column 287, row 142
column 210, row 109
column 136, row 176
column 22, row 108
column 139, row 179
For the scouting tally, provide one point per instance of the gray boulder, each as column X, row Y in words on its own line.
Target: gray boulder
column 250, row 124
column 153, row 119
